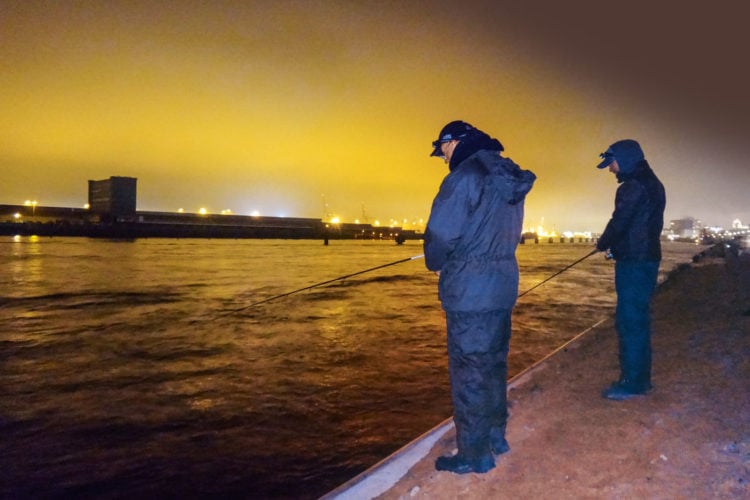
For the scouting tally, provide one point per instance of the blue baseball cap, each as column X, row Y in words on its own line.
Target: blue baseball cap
column 454, row 131
column 607, row 157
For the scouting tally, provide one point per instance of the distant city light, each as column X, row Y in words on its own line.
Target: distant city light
column 16, row 215
column 255, row 213
column 86, row 206
column 226, row 211
column 540, row 231
column 202, row 211
column 180, row 210
column 32, row 204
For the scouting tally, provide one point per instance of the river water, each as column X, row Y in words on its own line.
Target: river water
column 134, row 368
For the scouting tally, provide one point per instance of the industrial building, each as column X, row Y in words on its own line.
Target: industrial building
column 112, row 213
column 112, row 198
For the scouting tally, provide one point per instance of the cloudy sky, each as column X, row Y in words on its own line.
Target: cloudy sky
column 312, row 107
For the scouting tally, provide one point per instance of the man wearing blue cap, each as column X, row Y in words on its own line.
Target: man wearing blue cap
column 470, row 241
column 632, row 237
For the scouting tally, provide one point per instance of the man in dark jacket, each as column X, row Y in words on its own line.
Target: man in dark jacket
column 470, row 241
column 632, row 237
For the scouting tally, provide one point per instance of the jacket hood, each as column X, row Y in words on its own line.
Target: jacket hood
column 637, row 168
column 628, row 154
column 507, row 176
column 475, row 140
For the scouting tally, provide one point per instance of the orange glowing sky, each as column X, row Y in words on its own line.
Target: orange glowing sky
column 298, row 108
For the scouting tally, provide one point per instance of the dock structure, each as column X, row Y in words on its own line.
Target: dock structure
column 111, row 212
column 688, row 438
column 62, row 221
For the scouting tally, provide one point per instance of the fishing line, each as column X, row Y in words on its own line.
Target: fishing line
column 560, row 272
column 325, row 283
column 339, row 278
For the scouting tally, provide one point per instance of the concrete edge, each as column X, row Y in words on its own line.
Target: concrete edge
column 385, row 474
column 382, row 476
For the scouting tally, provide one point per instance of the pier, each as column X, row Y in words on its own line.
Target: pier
column 62, row 221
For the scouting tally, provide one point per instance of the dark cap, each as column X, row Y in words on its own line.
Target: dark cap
column 454, row 131
column 607, row 157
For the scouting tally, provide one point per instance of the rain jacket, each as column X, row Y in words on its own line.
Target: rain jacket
column 632, row 234
column 474, row 228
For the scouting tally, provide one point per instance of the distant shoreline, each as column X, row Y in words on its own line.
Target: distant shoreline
column 131, row 230
column 61, row 221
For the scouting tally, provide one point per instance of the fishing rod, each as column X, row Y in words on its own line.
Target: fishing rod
column 325, row 283
column 407, row 259
column 560, row 271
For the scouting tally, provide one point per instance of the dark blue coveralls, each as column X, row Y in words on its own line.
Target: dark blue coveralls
column 471, row 237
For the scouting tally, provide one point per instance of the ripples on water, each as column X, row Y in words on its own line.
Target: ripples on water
column 136, row 368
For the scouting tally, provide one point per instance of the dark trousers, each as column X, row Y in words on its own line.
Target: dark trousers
column 478, row 366
column 635, row 283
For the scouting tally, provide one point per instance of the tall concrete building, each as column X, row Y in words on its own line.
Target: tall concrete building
column 113, row 197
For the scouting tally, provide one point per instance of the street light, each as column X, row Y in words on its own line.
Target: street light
column 32, row 204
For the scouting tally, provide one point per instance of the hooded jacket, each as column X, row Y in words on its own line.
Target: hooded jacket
column 633, row 232
column 474, row 228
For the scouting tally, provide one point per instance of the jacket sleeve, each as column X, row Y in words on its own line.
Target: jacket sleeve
column 627, row 200
column 447, row 219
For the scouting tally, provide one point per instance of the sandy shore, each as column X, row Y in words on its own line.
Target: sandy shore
column 689, row 438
